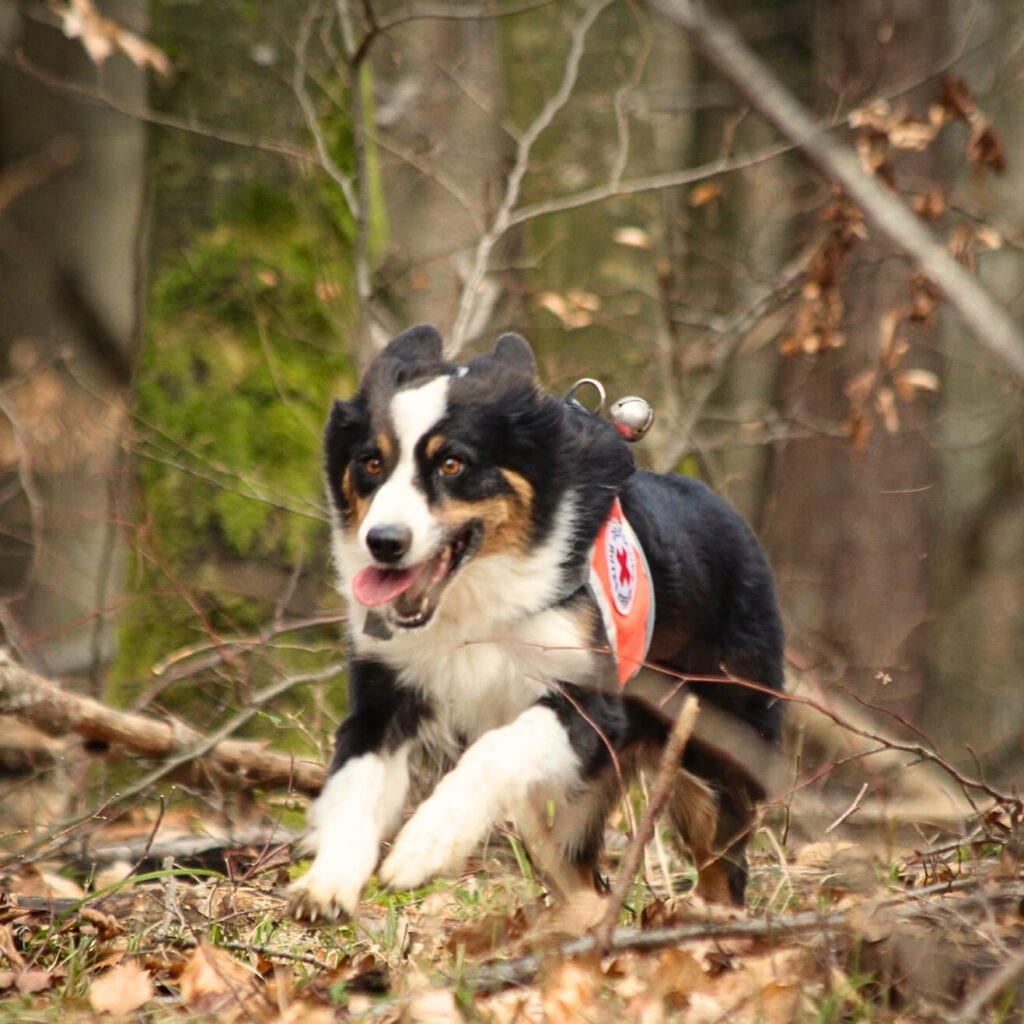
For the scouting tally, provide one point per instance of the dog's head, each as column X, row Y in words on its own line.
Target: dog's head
column 433, row 467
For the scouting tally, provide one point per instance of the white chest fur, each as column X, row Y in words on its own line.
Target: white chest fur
column 497, row 642
column 485, row 675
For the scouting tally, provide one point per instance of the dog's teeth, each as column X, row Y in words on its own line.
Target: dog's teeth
column 443, row 564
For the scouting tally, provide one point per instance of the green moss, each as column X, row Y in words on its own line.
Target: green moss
column 244, row 349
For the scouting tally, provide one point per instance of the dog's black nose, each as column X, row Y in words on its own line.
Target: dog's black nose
column 389, row 543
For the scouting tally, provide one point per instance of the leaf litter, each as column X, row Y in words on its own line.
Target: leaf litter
column 834, row 931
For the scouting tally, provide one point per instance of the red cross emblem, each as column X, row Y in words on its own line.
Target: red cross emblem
column 622, row 557
column 621, row 566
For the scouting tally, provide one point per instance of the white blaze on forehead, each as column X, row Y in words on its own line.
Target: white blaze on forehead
column 400, row 502
column 415, row 410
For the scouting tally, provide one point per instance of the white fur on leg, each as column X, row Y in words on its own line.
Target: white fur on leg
column 491, row 781
column 360, row 805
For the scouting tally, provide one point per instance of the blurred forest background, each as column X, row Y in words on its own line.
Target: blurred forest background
column 212, row 214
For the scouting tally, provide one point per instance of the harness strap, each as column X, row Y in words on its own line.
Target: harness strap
column 619, row 580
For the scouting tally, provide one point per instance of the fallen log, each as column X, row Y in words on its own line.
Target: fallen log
column 40, row 702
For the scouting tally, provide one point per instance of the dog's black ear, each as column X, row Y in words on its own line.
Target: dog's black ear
column 348, row 425
column 514, row 351
column 418, row 344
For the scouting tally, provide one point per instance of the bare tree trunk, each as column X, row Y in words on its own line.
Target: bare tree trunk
column 70, row 269
column 69, row 291
column 977, row 644
column 853, row 534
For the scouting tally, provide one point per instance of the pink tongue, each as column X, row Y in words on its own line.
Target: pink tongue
column 373, row 586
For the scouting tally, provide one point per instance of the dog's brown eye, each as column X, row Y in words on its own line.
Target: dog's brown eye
column 373, row 465
column 451, row 466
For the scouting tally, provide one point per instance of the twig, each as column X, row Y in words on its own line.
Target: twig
column 327, row 162
column 184, row 847
column 102, row 98
column 650, row 183
column 31, row 171
column 769, row 929
column 987, row 320
column 500, row 224
column 523, row 970
column 32, row 698
column 170, row 901
column 668, row 768
column 734, row 330
column 190, row 661
column 852, row 809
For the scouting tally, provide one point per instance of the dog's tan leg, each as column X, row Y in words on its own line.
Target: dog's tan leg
column 547, row 854
column 695, row 815
column 553, row 835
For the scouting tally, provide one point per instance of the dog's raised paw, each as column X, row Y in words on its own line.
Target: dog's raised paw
column 420, row 854
column 313, row 902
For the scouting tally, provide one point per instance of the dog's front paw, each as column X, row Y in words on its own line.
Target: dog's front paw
column 423, row 850
column 316, row 897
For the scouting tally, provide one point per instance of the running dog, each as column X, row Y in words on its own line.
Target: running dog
column 507, row 569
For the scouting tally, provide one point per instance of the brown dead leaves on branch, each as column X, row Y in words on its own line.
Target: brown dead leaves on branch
column 882, row 131
column 103, row 37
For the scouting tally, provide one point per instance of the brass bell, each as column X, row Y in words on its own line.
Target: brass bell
column 632, row 417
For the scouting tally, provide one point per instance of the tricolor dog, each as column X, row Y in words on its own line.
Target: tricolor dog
column 507, row 568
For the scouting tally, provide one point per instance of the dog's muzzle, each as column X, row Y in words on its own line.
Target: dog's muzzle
column 412, row 594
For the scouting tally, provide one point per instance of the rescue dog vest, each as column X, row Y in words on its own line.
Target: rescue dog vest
column 620, row 582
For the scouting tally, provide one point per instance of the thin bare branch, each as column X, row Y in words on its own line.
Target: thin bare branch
column 668, row 769
column 438, row 12
column 101, row 97
column 650, row 183
column 851, row 810
column 734, row 331
column 502, row 218
column 344, row 181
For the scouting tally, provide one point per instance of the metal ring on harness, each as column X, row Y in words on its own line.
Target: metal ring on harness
column 596, row 385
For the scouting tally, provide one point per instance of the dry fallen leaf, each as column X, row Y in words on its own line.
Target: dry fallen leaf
column 102, row 37
column 571, row 992
column 575, row 309
column 434, row 1006
column 27, row 982
column 304, row 1012
column 213, row 980
column 988, row 237
column 909, row 382
column 678, row 975
column 122, row 989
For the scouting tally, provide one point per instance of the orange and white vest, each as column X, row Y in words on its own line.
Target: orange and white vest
column 620, row 582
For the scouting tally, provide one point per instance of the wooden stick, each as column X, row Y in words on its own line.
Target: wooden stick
column 40, row 702
column 660, row 792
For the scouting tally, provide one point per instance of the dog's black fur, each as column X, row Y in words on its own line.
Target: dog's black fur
column 466, row 502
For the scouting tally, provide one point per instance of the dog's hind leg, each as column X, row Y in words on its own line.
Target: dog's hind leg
column 564, row 836
column 713, row 809
column 711, row 805
column 693, row 811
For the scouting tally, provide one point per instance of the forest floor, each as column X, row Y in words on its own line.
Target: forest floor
column 833, row 931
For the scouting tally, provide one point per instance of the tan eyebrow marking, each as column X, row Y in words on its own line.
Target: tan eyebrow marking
column 386, row 447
